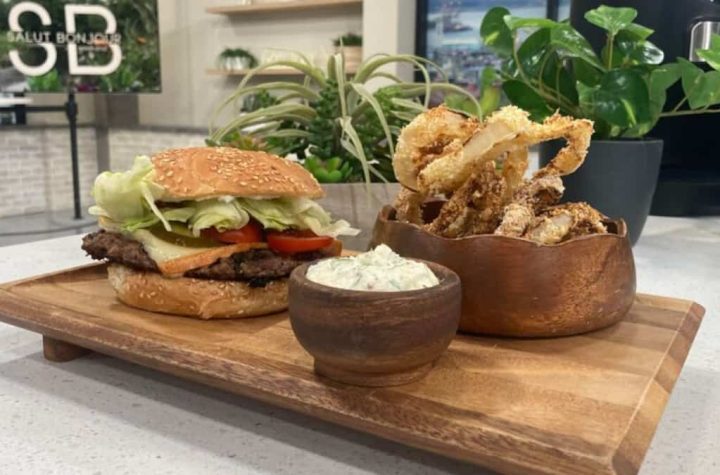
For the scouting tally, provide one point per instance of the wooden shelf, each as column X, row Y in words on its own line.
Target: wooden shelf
column 281, row 6
column 264, row 72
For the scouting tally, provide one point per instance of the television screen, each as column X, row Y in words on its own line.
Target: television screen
column 563, row 9
column 449, row 35
column 109, row 46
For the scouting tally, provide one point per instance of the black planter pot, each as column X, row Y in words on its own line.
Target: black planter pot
column 618, row 178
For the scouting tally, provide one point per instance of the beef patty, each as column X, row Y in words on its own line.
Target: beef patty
column 257, row 266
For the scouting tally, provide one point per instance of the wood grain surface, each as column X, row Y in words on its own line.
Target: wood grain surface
column 61, row 351
column 282, row 7
column 516, row 287
column 374, row 338
column 586, row 404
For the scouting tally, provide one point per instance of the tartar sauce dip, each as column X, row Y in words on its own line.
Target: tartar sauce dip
column 379, row 270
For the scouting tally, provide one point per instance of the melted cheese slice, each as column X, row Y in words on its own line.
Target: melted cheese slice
column 174, row 259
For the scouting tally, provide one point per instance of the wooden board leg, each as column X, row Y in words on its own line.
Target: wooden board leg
column 60, row 351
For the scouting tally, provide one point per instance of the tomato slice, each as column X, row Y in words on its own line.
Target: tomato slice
column 291, row 242
column 251, row 232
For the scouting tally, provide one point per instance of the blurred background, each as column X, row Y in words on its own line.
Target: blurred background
column 180, row 60
column 85, row 88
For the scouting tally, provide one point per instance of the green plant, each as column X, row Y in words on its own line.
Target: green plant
column 489, row 99
column 260, row 100
column 348, row 39
column 623, row 89
column 334, row 115
column 126, row 78
column 229, row 53
column 7, row 44
column 140, row 68
column 48, row 82
column 334, row 170
column 235, row 139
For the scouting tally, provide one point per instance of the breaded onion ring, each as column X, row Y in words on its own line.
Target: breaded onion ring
column 426, row 138
column 449, row 171
column 475, row 208
column 513, row 170
column 408, row 206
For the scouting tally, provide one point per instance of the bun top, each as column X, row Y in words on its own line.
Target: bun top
column 207, row 172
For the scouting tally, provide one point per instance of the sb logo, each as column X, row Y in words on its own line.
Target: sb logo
column 70, row 37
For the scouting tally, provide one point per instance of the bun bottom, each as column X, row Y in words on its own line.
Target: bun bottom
column 198, row 298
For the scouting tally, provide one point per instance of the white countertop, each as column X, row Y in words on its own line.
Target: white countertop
column 101, row 415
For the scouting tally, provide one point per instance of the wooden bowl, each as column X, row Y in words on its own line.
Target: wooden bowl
column 374, row 338
column 515, row 287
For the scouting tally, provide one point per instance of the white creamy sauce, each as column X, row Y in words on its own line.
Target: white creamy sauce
column 380, row 270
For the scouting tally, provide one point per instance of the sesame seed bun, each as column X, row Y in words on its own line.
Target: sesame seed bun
column 197, row 298
column 207, row 172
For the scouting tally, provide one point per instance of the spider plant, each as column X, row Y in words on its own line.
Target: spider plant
column 333, row 118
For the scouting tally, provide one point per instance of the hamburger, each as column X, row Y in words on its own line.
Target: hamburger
column 209, row 232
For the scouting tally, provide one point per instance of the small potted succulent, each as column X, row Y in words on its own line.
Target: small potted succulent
column 237, row 58
column 623, row 89
column 349, row 45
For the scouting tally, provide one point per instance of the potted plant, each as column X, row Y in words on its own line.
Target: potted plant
column 622, row 89
column 349, row 45
column 489, row 97
column 237, row 58
column 331, row 122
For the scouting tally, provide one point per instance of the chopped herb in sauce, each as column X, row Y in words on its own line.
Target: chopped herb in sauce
column 378, row 270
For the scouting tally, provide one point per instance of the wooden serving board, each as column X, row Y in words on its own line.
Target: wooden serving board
column 579, row 405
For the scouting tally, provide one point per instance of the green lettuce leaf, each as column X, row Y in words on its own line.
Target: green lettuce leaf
column 220, row 214
column 298, row 213
column 127, row 199
column 173, row 214
column 127, row 202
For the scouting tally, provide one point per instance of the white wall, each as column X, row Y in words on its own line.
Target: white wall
column 86, row 109
column 389, row 27
column 191, row 40
column 174, row 106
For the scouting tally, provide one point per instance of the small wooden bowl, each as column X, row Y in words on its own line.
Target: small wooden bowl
column 515, row 287
column 370, row 338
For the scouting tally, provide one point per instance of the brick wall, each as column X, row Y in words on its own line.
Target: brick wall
column 126, row 144
column 35, row 171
